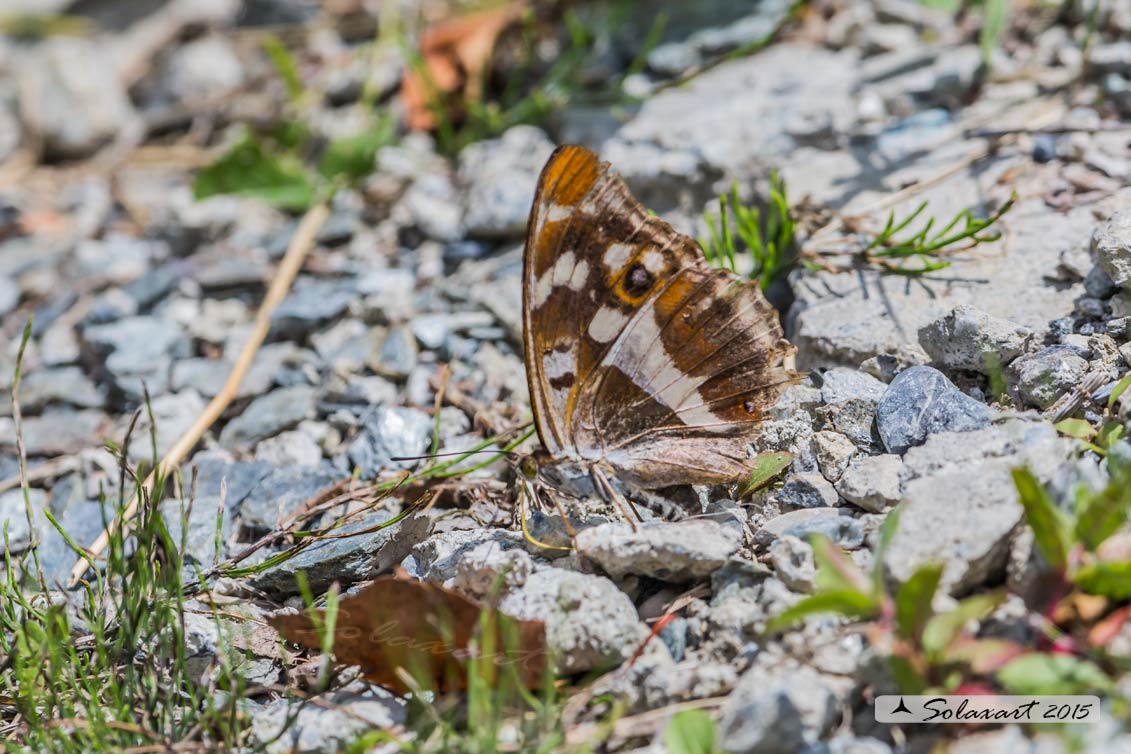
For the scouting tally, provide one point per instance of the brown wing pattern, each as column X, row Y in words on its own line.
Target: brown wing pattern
column 593, row 258
column 637, row 351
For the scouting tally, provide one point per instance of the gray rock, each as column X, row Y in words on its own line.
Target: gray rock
column 205, row 67
column 1112, row 244
column 173, row 414
column 133, row 349
column 921, row 401
column 9, row 295
column 849, row 744
column 431, row 330
column 885, row 366
column 792, row 433
column 694, row 34
column 154, row 285
column 1044, row 376
column 792, row 560
column 223, row 270
column 283, row 727
column 82, row 519
column 840, row 384
column 438, row 557
column 390, row 432
column 1113, row 57
column 498, row 177
column 844, row 530
column 1033, row 443
column 346, row 559
column 110, row 305
column 396, row 356
column 70, row 98
column 488, row 569
column 833, row 452
column 872, row 482
column 209, row 469
column 59, row 345
column 281, row 493
column 675, row 552
column 854, row 418
column 806, row 490
column 346, row 346
column 432, row 205
column 56, row 432
column 364, row 391
column 207, row 376
column 118, row 259
column 292, row 448
column 968, row 338
column 589, row 622
column 959, row 502
column 270, row 414
column 776, row 711
column 11, row 132
column 66, row 385
column 720, row 123
column 311, row 304
column 199, row 535
column 1099, row 284
column 13, row 516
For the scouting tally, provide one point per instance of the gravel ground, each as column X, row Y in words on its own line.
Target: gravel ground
column 413, row 284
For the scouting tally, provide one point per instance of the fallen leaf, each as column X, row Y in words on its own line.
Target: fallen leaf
column 454, row 56
column 400, row 625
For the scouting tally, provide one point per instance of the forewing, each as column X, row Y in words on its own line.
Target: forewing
column 594, row 257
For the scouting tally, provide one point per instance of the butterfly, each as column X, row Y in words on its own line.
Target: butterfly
column 644, row 362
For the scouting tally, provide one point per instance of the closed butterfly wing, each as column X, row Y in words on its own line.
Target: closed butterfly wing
column 639, row 354
column 593, row 256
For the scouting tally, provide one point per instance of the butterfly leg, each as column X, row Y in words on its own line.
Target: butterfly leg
column 530, row 492
column 611, row 495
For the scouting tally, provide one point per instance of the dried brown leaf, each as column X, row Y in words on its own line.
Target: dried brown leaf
column 399, row 624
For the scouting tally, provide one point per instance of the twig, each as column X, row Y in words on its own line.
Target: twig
column 301, row 243
column 994, row 133
column 55, row 467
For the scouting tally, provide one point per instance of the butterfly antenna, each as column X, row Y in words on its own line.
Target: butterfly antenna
column 427, row 456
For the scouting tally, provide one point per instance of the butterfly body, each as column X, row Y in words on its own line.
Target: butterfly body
column 644, row 363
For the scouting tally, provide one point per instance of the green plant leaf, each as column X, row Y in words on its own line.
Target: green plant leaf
column 691, row 731
column 835, row 570
column 1118, row 391
column 1112, row 580
column 850, row 603
column 285, row 65
column 1077, row 428
column 913, row 600
column 983, row 656
column 907, row 679
column 249, row 169
column 995, row 18
column 943, row 629
column 1041, row 673
column 766, row 467
column 1050, row 526
column 355, row 157
column 886, row 533
column 1099, row 514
